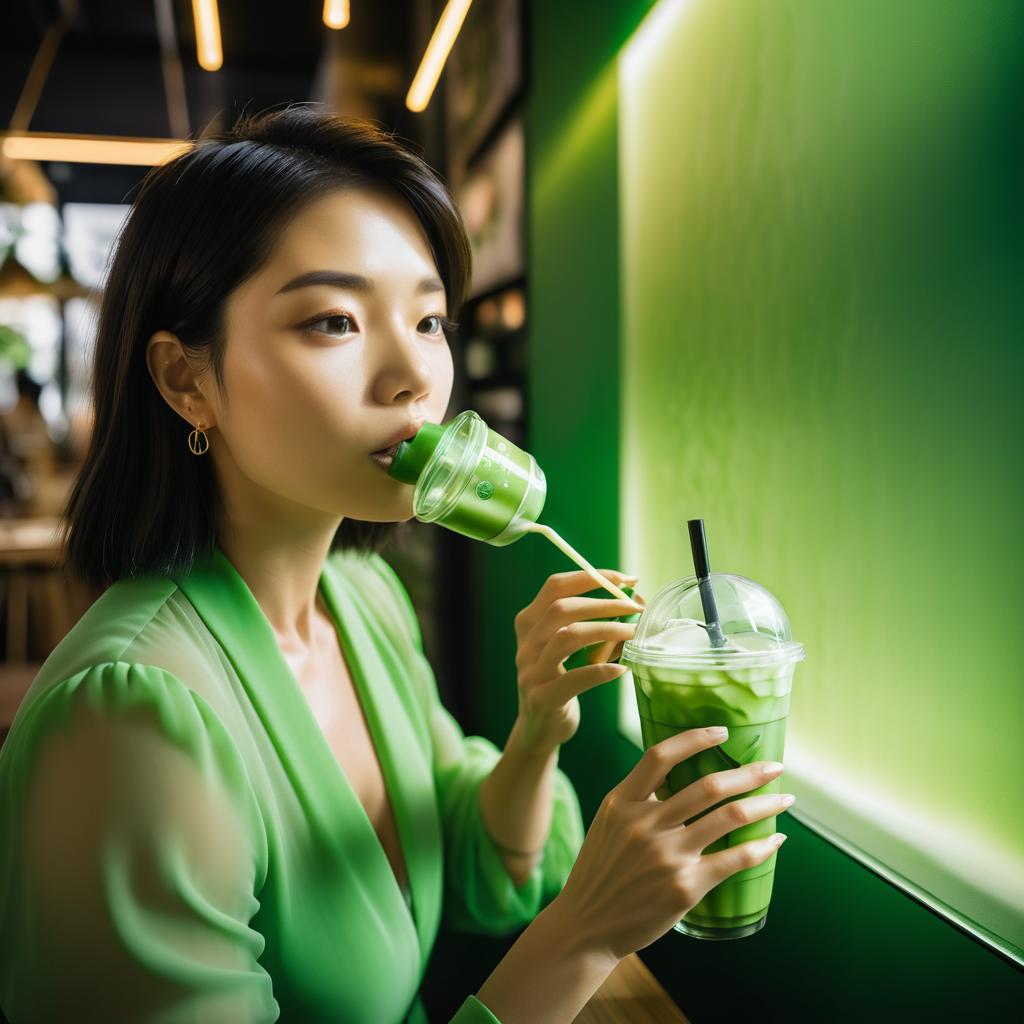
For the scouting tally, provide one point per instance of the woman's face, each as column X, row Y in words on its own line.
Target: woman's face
column 319, row 375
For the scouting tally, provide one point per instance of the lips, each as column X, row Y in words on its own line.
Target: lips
column 404, row 434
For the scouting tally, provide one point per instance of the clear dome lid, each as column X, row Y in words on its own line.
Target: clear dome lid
column 673, row 629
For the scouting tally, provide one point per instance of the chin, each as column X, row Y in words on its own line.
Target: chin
column 398, row 508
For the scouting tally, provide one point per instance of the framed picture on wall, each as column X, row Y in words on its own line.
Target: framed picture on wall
column 482, row 76
column 491, row 201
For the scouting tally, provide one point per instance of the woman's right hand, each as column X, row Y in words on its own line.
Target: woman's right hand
column 640, row 869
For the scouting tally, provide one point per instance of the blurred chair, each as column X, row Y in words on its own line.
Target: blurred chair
column 37, row 605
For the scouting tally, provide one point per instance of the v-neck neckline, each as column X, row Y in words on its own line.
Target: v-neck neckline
column 225, row 602
column 371, row 713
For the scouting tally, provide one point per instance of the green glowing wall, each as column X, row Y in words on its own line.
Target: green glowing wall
column 825, row 257
column 822, row 357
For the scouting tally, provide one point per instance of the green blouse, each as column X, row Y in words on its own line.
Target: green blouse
column 179, row 843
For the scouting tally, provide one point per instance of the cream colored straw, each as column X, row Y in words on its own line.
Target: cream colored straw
column 564, row 546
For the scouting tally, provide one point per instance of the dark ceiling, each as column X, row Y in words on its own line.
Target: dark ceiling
column 107, row 77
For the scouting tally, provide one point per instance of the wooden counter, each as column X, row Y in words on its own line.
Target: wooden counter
column 631, row 995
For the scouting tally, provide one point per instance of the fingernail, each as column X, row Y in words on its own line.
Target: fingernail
column 719, row 733
column 788, row 800
column 778, row 839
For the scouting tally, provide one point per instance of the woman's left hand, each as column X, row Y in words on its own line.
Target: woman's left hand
column 548, row 630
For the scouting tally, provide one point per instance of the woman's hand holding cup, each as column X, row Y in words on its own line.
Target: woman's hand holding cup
column 640, row 868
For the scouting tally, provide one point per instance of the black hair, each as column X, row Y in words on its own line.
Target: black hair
column 200, row 225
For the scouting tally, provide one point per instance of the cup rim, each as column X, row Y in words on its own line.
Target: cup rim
column 785, row 653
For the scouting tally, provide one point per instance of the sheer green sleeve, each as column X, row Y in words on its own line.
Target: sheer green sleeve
column 131, row 850
column 472, row 1011
column 480, row 896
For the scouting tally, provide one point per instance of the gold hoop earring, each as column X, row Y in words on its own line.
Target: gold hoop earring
column 196, row 439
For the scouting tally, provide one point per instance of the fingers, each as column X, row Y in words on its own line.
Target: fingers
column 713, row 789
column 735, row 814
column 658, row 760
column 713, row 868
column 570, row 684
column 571, row 638
column 577, row 581
column 611, row 650
column 565, row 610
column 568, row 584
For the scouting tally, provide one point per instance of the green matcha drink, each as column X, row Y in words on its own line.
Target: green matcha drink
column 683, row 681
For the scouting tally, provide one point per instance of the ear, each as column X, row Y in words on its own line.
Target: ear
column 177, row 380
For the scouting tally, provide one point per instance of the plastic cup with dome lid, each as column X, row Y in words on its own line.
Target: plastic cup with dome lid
column 717, row 649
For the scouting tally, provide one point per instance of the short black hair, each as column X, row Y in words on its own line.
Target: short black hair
column 199, row 226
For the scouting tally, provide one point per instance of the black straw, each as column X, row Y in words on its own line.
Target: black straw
column 699, row 547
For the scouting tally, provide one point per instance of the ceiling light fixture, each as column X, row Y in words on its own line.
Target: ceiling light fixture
column 336, row 13
column 436, row 54
column 208, row 51
column 89, row 149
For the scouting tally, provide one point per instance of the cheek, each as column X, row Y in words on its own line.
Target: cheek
column 288, row 386
column 290, row 416
column 443, row 371
column 286, row 418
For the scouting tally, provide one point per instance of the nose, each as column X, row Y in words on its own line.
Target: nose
column 402, row 371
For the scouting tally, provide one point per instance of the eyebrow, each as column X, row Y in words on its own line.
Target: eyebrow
column 351, row 282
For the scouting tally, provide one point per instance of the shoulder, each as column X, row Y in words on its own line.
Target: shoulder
column 127, row 692
column 144, row 622
column 139, row 712
column 110, row 624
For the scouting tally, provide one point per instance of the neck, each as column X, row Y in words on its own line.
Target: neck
column 278, row 547
column 282, row 566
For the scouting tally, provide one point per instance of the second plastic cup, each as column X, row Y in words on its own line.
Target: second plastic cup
column 683, row 683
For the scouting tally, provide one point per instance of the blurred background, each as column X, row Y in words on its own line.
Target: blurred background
column 757, row 262
column 107, row 70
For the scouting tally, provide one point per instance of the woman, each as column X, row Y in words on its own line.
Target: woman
column 232, row 793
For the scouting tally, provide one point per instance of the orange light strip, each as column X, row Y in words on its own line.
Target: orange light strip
column 436, row 54
column 336, row 13
column 207, row 21
column 90, row 149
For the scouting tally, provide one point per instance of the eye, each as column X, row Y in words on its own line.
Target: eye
column 313, row 324
column 444, row 324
